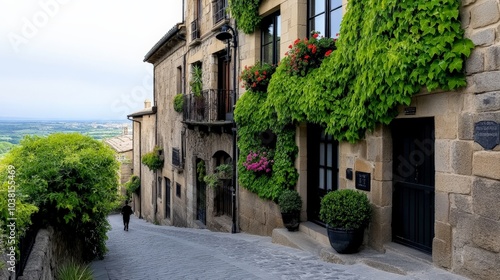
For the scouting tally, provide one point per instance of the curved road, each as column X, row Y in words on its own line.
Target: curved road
column 148, row 251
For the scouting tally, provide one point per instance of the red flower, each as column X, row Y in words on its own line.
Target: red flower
column 290, row 46
column 315, row 35
column 328, row 53
column 296, row 41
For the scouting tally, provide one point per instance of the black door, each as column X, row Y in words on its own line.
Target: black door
column 167, row 198
column 322, row 166
column 201, row 197
column 413, row 179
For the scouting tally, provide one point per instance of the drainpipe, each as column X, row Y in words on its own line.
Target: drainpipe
column 140, row 167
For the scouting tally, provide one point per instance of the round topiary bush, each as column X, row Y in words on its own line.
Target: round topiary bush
column 346, row 209
column 289, row 201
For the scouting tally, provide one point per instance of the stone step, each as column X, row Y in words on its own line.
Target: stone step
column 396, row 259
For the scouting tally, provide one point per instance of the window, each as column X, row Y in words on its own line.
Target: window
column 270, row 39
column 176, row 159
column 179, row 79
column 178, row 190
column 219, row 10
column 158, row 187
column 167, row 198
column 324, row 17
column 195, row 24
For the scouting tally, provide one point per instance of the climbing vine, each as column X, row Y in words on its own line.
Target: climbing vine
column 388, row 51
column 246, row 14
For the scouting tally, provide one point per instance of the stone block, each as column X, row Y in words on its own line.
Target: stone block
column 446, row 126
column 461, row 157
column 487, row 81
column 379, row 234
column 441, row 253
column 475, row 62
column 486, row 164
column 479, row 264
column 465, row 16
column 383, row 171
column 487, row 102
column 363, row 166
column 441, row 206
column 442, row 231
column 466, row 126
column 485, row 198
column 442, row 155
column 381, row 193
column 484, row 37
column 461, row 202
column 467, row 2
column 381, row 215
column 453, row 183
column 492, row 58
column 486, row 234
column 462, row 224
column 484, row 14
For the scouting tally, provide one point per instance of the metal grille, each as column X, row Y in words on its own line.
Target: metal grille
column 219, row 8
column 176, row 158
column 195, row 31
column 213, row 105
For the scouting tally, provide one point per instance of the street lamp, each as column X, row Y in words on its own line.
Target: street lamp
column 229, row 35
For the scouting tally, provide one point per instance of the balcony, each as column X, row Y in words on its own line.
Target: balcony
column 219, row 11
column 212, row 109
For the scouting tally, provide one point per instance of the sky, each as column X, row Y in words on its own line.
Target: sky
column 79, row 59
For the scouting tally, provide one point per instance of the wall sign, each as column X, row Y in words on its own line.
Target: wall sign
column 487, row 134
column 410, row 110
column 363, row 181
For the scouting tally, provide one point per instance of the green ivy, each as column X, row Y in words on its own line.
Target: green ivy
column 246, row 14
column 254, row 117
column 153, row 160
column 388, row 51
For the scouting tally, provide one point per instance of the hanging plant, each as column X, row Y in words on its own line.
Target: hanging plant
column 222, row 172
column 154, row 159
column 256, row 78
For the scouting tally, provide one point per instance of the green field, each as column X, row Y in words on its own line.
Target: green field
column 12, row 131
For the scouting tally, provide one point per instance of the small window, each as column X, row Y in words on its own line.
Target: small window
column 176, row 158
column 158, row 187
column 178, row 190
column 325, row 17
column 270, row 39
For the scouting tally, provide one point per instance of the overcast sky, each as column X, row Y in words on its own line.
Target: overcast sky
column 79, row 59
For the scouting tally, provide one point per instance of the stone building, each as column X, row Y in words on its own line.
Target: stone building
column 144, row 128
column 122, row 145
column 447, row 142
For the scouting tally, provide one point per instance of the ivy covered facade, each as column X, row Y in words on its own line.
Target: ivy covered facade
column 391, row 98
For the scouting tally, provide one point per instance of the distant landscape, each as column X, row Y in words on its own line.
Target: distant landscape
column 12, row 131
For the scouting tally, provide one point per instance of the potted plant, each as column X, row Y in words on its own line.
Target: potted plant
column 290, row 205
column 346, row 213
column 196, row 84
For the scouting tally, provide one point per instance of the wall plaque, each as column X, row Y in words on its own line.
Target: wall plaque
column 410, row 110
column 487, row 134
column 363, row 181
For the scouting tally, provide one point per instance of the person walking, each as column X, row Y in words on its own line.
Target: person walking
column 126, row 212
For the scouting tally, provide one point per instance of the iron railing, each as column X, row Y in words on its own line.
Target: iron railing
column 195, row 30
column 219, row 10
column 212, row 105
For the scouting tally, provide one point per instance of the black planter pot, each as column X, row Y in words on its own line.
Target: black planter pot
column 345, row 241
column 291, row 220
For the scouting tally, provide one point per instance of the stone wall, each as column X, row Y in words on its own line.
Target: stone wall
column 49, row 252
column 258, row 216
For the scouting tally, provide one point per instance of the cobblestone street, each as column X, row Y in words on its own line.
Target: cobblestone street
column 148, row 251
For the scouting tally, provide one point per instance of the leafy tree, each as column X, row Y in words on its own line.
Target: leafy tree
column 73, row 180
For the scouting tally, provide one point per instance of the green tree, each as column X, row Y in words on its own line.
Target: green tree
column 73, row 179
